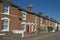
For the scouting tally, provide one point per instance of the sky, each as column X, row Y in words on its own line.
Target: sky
column 50, row 7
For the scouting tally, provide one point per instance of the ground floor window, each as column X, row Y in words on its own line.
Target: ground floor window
column 35, row 27
column 5, row 24
column 23, row 26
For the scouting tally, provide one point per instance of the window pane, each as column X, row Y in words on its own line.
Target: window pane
column 5, row 11
column 6, row 8
column 23, row 26
column 5, row 24
column 23, row 15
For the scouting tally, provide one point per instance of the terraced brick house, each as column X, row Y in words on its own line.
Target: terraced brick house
column 53, row 23
column 16, row 19
column 43, row 21
column 59, row 26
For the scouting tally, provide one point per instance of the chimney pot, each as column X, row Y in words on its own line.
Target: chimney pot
column 46, row 16
column 41, row 13
column 30, row 7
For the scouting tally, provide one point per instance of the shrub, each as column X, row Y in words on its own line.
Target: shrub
column 50, row 28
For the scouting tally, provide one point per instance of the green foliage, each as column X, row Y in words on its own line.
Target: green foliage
column 50, row 28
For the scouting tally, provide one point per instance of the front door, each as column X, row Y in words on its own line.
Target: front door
column 27, row 28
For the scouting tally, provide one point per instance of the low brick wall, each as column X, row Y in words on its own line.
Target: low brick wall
column 10, row 37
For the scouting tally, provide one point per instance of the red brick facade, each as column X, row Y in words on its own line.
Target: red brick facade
column 15, row 16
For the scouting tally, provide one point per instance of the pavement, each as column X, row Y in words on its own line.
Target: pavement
column 41, row 36
column 52, row 36
column 44, row 36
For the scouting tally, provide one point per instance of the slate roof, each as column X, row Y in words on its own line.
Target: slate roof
column 26, row 10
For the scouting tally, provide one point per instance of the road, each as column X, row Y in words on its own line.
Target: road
column 49, row 36
column 54, row 36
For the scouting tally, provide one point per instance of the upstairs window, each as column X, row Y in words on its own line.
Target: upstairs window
column 40, row 20
column 5, row 24
column 6, row 8
column 24, row 15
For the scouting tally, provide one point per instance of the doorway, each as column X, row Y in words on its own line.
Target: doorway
column 27, row 28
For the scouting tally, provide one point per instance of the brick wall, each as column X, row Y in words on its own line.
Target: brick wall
column 43, row 21
column 1, row 7
column 30, row 18
column 14, row 13
column 38, row 22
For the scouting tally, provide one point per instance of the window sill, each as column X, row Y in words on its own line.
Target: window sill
column 2, row 34
column 6, row 13
column 23, row 19
column 35, row 21
column 4, row 30
column 40, row 22
column 17, row 31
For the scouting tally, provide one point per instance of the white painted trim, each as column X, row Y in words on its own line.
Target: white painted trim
column 31, row 23
column 8, row 24
column 24, row 15
column 49, row 22
column 32, row 28
column 28, row 23
column 35, row 23
column 18, row 32
column 35, row 27
column 5, row 18
column 56, row 24
column 24, row 12
column 41, row 20
column 46, row 21
column 3, row 30
column 29, row 28
column 2, row 34
column 25, row 25
column 35, row 18
column 8, row 11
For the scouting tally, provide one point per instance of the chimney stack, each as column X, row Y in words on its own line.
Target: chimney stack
column 46, row 16
column 41, row 13
column 30, row 7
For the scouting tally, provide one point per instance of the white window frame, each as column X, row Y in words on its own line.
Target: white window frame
column 24, row 26
column 24, row 15
column 8, row 10
column 49, row 22
column 41, row 20
column 35, row 18
column 35, row 25
column 46, row 21
column 56, row 24
column 8, row 24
